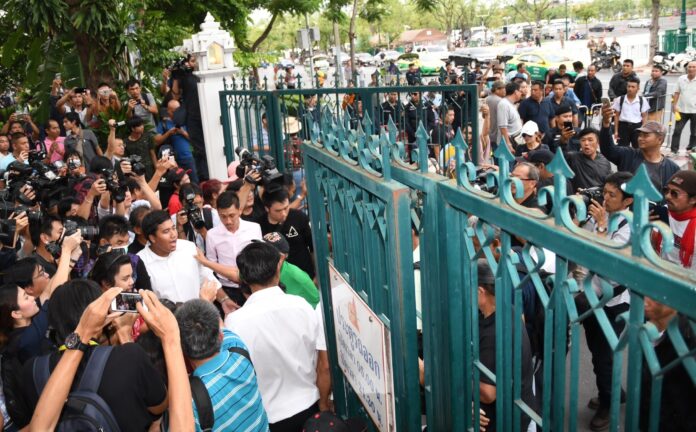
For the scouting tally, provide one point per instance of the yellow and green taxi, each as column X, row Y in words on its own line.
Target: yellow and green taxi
column 428, row 63
column 539, row 63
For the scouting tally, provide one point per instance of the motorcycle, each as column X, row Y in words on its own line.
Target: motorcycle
column 577, row 36
column 608, row 59
column 665, row 61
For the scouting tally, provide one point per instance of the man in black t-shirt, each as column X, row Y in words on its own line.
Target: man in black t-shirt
column 293, row 224
column 487, row 334
column 130, row 384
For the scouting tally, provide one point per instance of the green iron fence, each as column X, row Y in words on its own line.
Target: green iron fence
column 370, row 195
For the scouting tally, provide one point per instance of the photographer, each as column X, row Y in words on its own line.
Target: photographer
column 102, row 183
column 75, row 101
column 135, row 394
column 17, row 226
column 616, row 199
column 194, row 221
column 20, row 150
column 81, row 140
column 176, row 135
column 106, row 103
column 24, row 301
column 139, row 142
column 114, row 236
column 43, row 233
column 185, row 90
column 20, row 123
column 115, row 148
column 563, row 133
column 139, row 104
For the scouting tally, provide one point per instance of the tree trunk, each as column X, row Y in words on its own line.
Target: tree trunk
column 654, row 42
column 91, row 78
column 351, row 35
column 265, row 33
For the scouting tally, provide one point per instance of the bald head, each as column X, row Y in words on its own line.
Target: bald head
column 172, row 106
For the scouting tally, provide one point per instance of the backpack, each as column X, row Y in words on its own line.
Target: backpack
column 621, row 101
column 84, row 410
column 201, row 397
column 11, row 375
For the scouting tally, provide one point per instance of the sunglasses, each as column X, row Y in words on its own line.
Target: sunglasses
column 674, row 193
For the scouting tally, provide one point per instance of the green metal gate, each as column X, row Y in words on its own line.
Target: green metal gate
column 364, row 201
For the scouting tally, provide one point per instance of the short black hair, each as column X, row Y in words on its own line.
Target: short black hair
column 628, row 61
column 558, row 81
column 199, row 326
column 16, row 137
column 65, row 204
column 131, row 82
column 633, row 79
column 152, row 221
column 258, row 263
column 538, row 83
column 112, row 225
column 520, row 65
column 189, row 188
column 68, row 303
column 135, row 219
column 134, row 122
column 8, row 304
column 100, row 163
column 228, row 199
column 73, row 117
column 587, row 131
column 107, row 266
column 132, row 185
column 578, row 65
column 23, row 271
column 275, row 195
column 44, row 226
column 619, row 179
column 511, row 88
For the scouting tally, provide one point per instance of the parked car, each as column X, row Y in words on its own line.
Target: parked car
column 482, row 37
column 480, row 54
column 320, row 60
column 385, row 56
column 364, row 58
column 602, row 27
column 539, row 63
column 640, row 23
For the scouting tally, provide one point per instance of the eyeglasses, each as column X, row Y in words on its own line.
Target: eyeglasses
column 674, row 193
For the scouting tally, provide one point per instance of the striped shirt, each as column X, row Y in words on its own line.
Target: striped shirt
column 234, row 393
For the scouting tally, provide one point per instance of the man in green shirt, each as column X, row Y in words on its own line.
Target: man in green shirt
column 295, row 280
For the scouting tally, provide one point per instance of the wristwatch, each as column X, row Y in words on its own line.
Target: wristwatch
column 73, row 342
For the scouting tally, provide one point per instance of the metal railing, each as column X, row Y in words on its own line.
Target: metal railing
column 367, row 197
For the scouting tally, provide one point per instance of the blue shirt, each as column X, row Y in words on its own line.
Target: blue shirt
column 182, row 146
column 234, row 392
column 6, row 161
column 538, row 112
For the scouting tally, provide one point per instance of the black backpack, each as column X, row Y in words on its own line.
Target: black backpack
column 11, row 375
column 84, row 410
column 201, row 397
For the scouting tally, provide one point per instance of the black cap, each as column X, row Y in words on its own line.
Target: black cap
column 564, row 108
column 278, row 241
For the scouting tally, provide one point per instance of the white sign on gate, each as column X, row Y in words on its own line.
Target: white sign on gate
column 364, row 355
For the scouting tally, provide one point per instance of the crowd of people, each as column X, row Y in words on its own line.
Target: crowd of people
column 125, row 269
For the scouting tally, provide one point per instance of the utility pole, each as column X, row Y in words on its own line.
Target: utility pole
column 337, row 49
column 682, row 37
column 566, row 19
column 311, row 51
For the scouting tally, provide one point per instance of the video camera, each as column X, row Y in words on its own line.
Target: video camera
column 43, row 178
column 179, row 67
column 265, row 165
column 481, row 182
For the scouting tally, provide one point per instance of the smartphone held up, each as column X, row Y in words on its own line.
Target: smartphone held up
column 126, row 301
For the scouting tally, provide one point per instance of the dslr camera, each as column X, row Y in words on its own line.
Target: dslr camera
column 118, row 192
column 137, row 166
column 70, row 227
column 265, row 165
column 179, row 67
column 594, row 193
column 193, row 212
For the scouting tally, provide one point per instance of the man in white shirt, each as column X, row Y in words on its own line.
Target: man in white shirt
column 285, row 341
column 630, row 113
column 615, row 200
column 226, row 241
column 684, row 107
column 174, row 272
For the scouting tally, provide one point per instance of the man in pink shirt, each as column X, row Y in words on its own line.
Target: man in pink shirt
column 224, row 242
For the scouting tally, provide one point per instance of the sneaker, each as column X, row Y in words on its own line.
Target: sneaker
column 600, row 421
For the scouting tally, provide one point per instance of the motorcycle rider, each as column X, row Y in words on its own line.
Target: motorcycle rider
column 656, row 92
